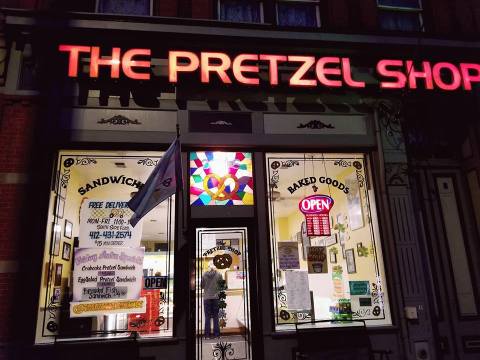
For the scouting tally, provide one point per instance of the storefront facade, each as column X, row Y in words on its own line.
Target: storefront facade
column 297, row 192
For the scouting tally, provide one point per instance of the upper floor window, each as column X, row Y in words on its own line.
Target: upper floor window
column 298, row 13
column 126, row 7
column 400, row 15
column 240, row 11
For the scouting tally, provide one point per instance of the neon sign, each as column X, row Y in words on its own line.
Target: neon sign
column 316, row 209
column 309, row 71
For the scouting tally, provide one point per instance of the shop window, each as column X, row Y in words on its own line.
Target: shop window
column 400, row 15
column 221, row 178
column 240, row 11
column 126, row 7
column 28, row 73
column 293, row 13
column 326, row 254
column 102, row 277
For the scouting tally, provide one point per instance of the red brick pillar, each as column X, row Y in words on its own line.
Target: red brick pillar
column 16, row 130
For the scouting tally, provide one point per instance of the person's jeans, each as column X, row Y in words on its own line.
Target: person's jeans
column 211, row 312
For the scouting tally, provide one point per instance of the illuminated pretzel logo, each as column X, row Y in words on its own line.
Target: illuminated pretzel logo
column 225, row 186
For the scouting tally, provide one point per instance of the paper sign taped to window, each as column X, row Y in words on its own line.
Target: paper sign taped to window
column 104, row 223
column 298, row 291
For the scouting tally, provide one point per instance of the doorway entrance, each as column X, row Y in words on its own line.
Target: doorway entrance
column 222, row 296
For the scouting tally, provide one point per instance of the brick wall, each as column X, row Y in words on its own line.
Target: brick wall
column 202, row 9
column 165, row 8
column 16, row 130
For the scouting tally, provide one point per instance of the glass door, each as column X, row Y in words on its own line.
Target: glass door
column 222, row 294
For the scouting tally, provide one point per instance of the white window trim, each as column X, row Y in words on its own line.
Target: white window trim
column 262, row 20
column 401, row 8
column 97, row 9
column 317, row 12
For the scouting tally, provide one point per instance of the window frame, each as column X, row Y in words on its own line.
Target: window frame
column 403, row 9
column 317, row 13
column 97, row 10
column 259, row 2
column 49, row 259
column 380, row 243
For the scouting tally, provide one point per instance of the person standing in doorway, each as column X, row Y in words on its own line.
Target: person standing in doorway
column 211, row 289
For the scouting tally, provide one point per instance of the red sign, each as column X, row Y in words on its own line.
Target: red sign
column 316, row 209
column 307, row 71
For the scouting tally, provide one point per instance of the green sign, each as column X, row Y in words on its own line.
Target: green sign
column 359, row 288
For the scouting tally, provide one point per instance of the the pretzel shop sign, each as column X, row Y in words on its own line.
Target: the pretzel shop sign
column 308, row 71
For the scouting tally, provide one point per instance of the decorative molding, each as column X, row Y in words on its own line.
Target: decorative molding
column 396, row 174
column 391, row 123
column 315, row 124
column 119, row 120
column 221, row 123
column 147, row 162
column 342, row 163
column 290, row 163
column 85, row 161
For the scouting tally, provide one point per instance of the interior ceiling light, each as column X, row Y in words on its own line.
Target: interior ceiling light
column 120, row 165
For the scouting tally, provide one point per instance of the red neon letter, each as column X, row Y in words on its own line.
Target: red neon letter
column 437, row 76
column 322, row 71
column 128, row 63
column 220, row 69
column 467, row 77
column 114, row 62
column 347, row 75
column 238, row 69
column 296, row 79
column 425, row 74
column 273, row 66
column 74, row 50
column 400, row 77
column 174, row 67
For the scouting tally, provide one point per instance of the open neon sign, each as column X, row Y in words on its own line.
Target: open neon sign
column 308, row 71
column 316, row 209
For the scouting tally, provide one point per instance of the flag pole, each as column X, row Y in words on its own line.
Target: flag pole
column 179, row 194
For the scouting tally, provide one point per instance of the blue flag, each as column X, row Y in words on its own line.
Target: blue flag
column 161, row 184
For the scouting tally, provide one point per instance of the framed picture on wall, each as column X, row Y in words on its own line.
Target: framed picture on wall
column 333, row 257
column 60, row 207
column 58, row 275
column 57, row 295
column 350, row 258
column 305, row 240
column 354, row 203
column 331, row 240
column 66, row 251
column 68, row 229
column 359, row 249
column 56, row 239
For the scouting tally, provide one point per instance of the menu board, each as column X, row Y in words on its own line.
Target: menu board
column 318, row 224
column 105, row 223
column 108, row 274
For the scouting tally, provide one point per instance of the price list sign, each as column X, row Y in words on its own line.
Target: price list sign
column 316, row 209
